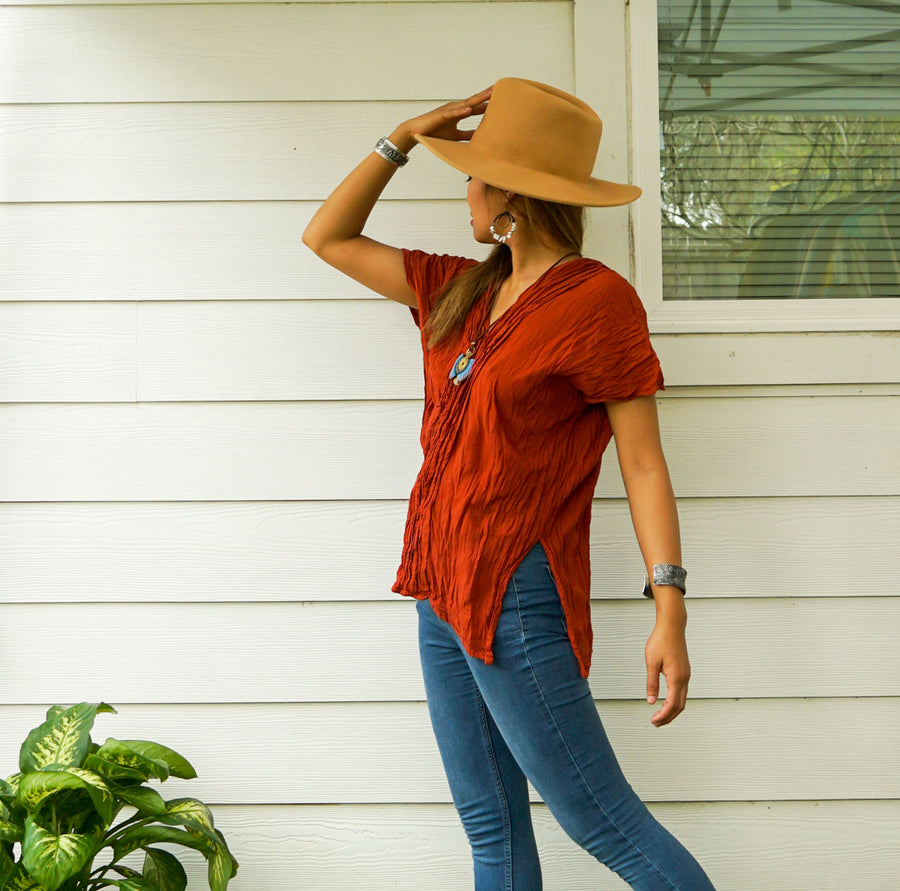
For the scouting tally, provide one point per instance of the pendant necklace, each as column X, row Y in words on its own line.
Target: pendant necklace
column 465, row 361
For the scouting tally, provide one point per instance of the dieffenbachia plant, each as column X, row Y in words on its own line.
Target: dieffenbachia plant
column 61, row 822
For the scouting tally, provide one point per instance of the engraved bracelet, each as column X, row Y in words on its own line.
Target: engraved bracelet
column 666, row 574
column 390, row 152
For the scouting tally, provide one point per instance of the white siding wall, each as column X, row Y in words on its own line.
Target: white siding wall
column 207, row 437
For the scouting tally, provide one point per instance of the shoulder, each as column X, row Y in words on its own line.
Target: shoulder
column 602, row 293
column 428, row 272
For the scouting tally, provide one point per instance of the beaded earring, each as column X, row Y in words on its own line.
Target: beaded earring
column 499, row 222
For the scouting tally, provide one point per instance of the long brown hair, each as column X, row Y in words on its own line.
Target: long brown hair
column 562, row 223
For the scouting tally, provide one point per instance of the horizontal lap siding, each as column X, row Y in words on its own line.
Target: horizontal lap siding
column 237, row 451
column 208, row 437
column 257, row 551
column 329, row 652
column 384, row 752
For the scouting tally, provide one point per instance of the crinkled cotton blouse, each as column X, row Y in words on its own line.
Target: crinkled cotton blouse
column 512, row 454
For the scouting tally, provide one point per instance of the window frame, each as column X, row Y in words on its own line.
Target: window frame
column 720, row 315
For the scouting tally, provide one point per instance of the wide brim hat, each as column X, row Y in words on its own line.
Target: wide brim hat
column 538, row 141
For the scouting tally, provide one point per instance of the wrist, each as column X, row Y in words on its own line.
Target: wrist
column 402, row 138
column 670, row 605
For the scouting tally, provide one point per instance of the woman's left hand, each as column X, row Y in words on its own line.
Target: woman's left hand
column 666, row 653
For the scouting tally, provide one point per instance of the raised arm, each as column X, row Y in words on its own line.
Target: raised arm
column 655, row 516
column 335, row 232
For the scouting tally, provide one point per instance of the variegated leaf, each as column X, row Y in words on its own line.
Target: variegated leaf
column 188, row 812
column 142, row 836
column 7, row 793
column 10, row 832
column 99, row 792
column 7, row 864
column 52, row 859
column 122, row 753
column 224, row 844
column 148, row 801
column 178, row 765
column 61, row 741
column 126, row 872
column 137, row 884
column 117, row 773
column 164, row 870
column 221, row 869
column 13, row 782
column 20, row 880
column 35, row 787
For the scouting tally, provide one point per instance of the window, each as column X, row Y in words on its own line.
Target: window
column 777, row 124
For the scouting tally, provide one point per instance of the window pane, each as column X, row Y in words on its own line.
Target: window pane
column 780, row 148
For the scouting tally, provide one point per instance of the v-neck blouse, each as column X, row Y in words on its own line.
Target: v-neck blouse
column 512, row 454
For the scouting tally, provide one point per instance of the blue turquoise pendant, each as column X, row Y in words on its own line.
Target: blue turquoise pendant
column 462, row 367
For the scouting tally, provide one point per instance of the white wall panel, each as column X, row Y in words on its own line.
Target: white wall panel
column 340, row 652
column 300, row 350
column 775, row 845
column 224, row 250
column 385, row 752
column 234, row 151
column 349, row 551
column 67, row 352
column 331, row 450
column 274, row 51
column 331, row 349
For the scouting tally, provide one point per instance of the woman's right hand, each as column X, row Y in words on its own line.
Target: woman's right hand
column 442, row 122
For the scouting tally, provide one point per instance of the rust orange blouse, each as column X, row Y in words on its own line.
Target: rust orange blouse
column 512, row 455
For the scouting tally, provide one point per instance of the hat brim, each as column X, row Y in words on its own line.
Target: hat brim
column 470, row 159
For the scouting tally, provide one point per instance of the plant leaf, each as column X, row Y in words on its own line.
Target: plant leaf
column 135, row 884
column 20, row 880
column 7, row 864
column 7, row 793
column 117, row 773
column 35, row 787
column 190, row 813
column 148, row 801
column 99, row 792
column 62, row 740
column 141, row 836
column 10, row 832
column 178, row 765
column 221, row 869
column 122, row 753
column 52, row 859
column 224, row 844
column 164, row 870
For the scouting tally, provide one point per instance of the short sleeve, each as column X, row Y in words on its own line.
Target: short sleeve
column 611, row 357
column 427, row 274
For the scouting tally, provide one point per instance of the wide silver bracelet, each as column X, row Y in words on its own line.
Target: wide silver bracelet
column 666, row 574
column 390, row 152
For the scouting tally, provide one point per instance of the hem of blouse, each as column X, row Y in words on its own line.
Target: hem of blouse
column 405, row 592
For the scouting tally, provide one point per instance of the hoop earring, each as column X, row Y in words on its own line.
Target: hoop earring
column 499, row 222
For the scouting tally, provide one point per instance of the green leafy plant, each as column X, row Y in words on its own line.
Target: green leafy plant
column 63, row 811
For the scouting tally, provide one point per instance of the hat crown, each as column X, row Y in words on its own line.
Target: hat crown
column 540, row 127
column 538, row 141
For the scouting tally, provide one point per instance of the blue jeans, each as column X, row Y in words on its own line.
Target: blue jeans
column 531, row 714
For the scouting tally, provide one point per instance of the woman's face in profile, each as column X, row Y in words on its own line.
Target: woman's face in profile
column 482, row 198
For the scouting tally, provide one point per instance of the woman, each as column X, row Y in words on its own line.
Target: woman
column 533, row 360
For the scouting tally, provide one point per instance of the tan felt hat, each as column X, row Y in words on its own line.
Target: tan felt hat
column 537, row 141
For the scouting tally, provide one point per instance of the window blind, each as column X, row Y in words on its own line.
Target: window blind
column 780, row 148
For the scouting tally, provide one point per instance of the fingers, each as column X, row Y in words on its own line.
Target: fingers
column 676, row 699
column 653, row 683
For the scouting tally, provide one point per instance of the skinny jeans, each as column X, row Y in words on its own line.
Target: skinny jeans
column 530, row 715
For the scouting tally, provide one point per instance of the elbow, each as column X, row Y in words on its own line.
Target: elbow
column 311, row 241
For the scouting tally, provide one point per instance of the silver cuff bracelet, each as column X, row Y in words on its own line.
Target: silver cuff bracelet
column 390, row 152
column 666, row 574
